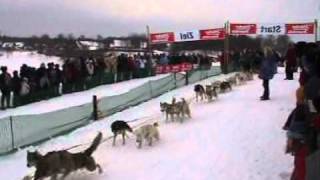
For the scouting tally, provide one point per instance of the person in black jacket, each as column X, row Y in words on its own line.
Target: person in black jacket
column 5, row 87
column 16, row 85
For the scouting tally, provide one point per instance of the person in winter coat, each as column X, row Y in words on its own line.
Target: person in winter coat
column 16, row 85
column 42, row 75
column 267, row 70
column 297, row 127
column 5, row 87
column 291, row 62
column 25, row 87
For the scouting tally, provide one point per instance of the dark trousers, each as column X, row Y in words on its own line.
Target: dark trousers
column 5, row 98
column 266, row 92
column 289, row 72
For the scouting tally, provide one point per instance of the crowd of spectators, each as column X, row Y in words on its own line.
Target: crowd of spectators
column 32, row 84
column 303, row 123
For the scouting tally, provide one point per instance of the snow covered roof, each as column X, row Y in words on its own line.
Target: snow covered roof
column 90, row 45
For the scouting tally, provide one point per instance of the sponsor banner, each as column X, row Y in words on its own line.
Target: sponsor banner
column 182, row 36
column 162, row 37
column 243, row 29
column 159, row 69
column 212, row 34
column 186, row 67
column 163, row 69
column 167, row 69
column 176, row 68
column 271, row 29
column 302, row 28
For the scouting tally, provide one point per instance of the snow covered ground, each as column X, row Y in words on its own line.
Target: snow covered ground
column 14, row 60
column 236, row 137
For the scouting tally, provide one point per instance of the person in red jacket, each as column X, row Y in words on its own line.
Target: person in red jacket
column 291, row 62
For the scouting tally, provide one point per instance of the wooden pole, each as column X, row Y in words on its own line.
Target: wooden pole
column 95, row 108
column 226, row 48
column 149, row 49
column 12, row 134
column 187, row 78
column 149, row 41
column 316, row 30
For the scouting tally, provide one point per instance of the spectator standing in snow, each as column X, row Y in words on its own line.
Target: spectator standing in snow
column 267, row 71
column 16, row 85
column 297, row 127
column 290, row 62
column 5, row 87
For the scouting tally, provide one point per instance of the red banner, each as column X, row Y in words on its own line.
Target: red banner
column 163, row 69
column 243, row 29
column 212, row 34
column 167, row 69
column 176, row 68
column 162, row 37
column 159, row 69
column 186, row 66
column 305, row 28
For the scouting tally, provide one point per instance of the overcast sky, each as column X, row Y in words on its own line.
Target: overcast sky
column 121, row 17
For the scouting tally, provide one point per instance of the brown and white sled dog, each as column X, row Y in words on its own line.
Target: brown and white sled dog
column 147, row 133
column 233, row 80
column 216, row 84
column 184, row 109
column 180, row 109
column 170, row 110
column 249, row 76
column 224, row 86
column 241, row 77
column 211, row 92
column 63, row 162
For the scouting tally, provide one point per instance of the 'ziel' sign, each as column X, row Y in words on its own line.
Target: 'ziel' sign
column 193, row 35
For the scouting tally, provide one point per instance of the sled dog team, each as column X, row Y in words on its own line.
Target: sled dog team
column 211, row 91
column 63, row 162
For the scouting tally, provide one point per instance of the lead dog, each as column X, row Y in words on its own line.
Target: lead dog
column 120, row 127
column 147, row 133
column 63, row 162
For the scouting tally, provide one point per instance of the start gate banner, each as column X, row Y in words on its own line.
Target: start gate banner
column 243, row 29
column 306, row 28
column 162, row 37
column 192, row 35
column 271, row 29
column 212, row 34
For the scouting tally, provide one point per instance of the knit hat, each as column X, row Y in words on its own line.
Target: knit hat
column 300, row 95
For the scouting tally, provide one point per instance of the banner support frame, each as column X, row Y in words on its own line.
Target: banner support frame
column 316, row 30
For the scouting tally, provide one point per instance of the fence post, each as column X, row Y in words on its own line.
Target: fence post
column 12, row 135
column 151, row 92
column 175, row 80
column 95, row 108
column 187, row 78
